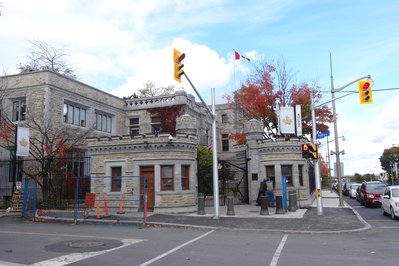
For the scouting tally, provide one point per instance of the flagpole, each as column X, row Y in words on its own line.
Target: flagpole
column 234, row 87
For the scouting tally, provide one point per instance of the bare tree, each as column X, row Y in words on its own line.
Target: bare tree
column 284, row 78
column 49, row 149
column 150, row 90
column 44, row 56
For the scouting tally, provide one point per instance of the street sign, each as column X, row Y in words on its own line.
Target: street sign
column 321, row 135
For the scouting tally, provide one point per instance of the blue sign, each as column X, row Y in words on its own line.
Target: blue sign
column 321, row 135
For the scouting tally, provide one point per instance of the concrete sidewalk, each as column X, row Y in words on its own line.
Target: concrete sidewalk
column 335, row 219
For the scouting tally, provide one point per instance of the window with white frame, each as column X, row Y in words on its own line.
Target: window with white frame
column 18, row 110
column 103, row 122
column 74, row 114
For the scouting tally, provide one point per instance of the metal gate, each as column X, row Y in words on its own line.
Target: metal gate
column 234, row 179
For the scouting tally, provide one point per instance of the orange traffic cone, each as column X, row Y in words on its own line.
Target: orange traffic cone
column 106, row 205
column 121, row 203
column 98, row 210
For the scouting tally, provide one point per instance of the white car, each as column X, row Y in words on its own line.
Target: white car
column 352, row 190
column 390, row 201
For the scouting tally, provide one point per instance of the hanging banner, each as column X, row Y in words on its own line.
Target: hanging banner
column 287, row 120
column 298, row 120
column 22, row 141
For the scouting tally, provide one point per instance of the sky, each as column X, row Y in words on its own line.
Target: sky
column 118, row 45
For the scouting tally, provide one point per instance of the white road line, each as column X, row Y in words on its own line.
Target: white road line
column 175, row 249
column 278, row 251
column 74, row 257
column 55, row 234
column 6, row 263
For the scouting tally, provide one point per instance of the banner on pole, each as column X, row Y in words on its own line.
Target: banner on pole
column 22, row 141
column 287, row 120
column 298, row 120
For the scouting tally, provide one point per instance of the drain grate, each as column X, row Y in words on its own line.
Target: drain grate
column 85, row 244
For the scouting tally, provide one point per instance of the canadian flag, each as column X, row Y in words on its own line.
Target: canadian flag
column 238, row 56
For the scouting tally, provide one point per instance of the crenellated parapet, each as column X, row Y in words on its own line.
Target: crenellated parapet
column 178, row 98
column 142, row 144
column 280, row 147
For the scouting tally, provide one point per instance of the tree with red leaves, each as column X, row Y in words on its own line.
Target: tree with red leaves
column 260, row 97
column 168, row 115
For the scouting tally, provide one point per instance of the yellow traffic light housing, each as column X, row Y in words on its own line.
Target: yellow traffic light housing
column 314, row 153
column 365, row 91
column 310, row 151
column 177, row 61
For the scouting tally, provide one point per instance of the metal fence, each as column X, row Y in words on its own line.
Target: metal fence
column 122, row 198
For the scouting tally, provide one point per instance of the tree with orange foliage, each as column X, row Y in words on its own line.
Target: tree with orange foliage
column 260, row 97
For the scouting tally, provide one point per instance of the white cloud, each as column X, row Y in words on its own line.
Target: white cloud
column 367, row 136
column 205, row 68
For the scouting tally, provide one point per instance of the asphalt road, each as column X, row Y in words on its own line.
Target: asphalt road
column 26, row 243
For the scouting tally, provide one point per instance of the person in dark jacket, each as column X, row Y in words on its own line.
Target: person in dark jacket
column 262, row 191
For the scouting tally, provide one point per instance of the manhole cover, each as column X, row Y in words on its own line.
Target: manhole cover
column 85, row 244
column 88, row 245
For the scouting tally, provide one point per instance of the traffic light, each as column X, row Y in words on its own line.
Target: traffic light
column 305, row 150
column 177, row 60
column 310, row 151
column 365, row 91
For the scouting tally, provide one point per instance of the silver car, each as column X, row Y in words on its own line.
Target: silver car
column 352, row 190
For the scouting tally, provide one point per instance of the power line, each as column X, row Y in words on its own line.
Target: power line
column 374, row 90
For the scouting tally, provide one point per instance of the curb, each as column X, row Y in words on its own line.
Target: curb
column 174, row 225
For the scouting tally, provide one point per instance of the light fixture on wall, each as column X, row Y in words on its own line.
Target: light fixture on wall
column 170, row 139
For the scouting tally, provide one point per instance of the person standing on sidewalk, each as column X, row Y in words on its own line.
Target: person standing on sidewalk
column 270, row 192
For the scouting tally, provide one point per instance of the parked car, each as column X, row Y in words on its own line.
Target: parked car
column 346, row 188
column 390, row 201
column 371, row 193
column 352, row 190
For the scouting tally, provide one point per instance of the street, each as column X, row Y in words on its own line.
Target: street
column 27, row 243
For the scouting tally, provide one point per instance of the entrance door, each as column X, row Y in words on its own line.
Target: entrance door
column 148, row 172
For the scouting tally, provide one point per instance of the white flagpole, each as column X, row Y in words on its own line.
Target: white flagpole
column 234, row 86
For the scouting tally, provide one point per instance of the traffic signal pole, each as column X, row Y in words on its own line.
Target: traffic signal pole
column 212, row 113
column 316, row 161
column 178, row 72
column 337, row 151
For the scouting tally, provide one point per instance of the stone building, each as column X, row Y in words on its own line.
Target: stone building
column 128, row 139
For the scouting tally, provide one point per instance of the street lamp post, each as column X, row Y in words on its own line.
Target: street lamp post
column 329, row 154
